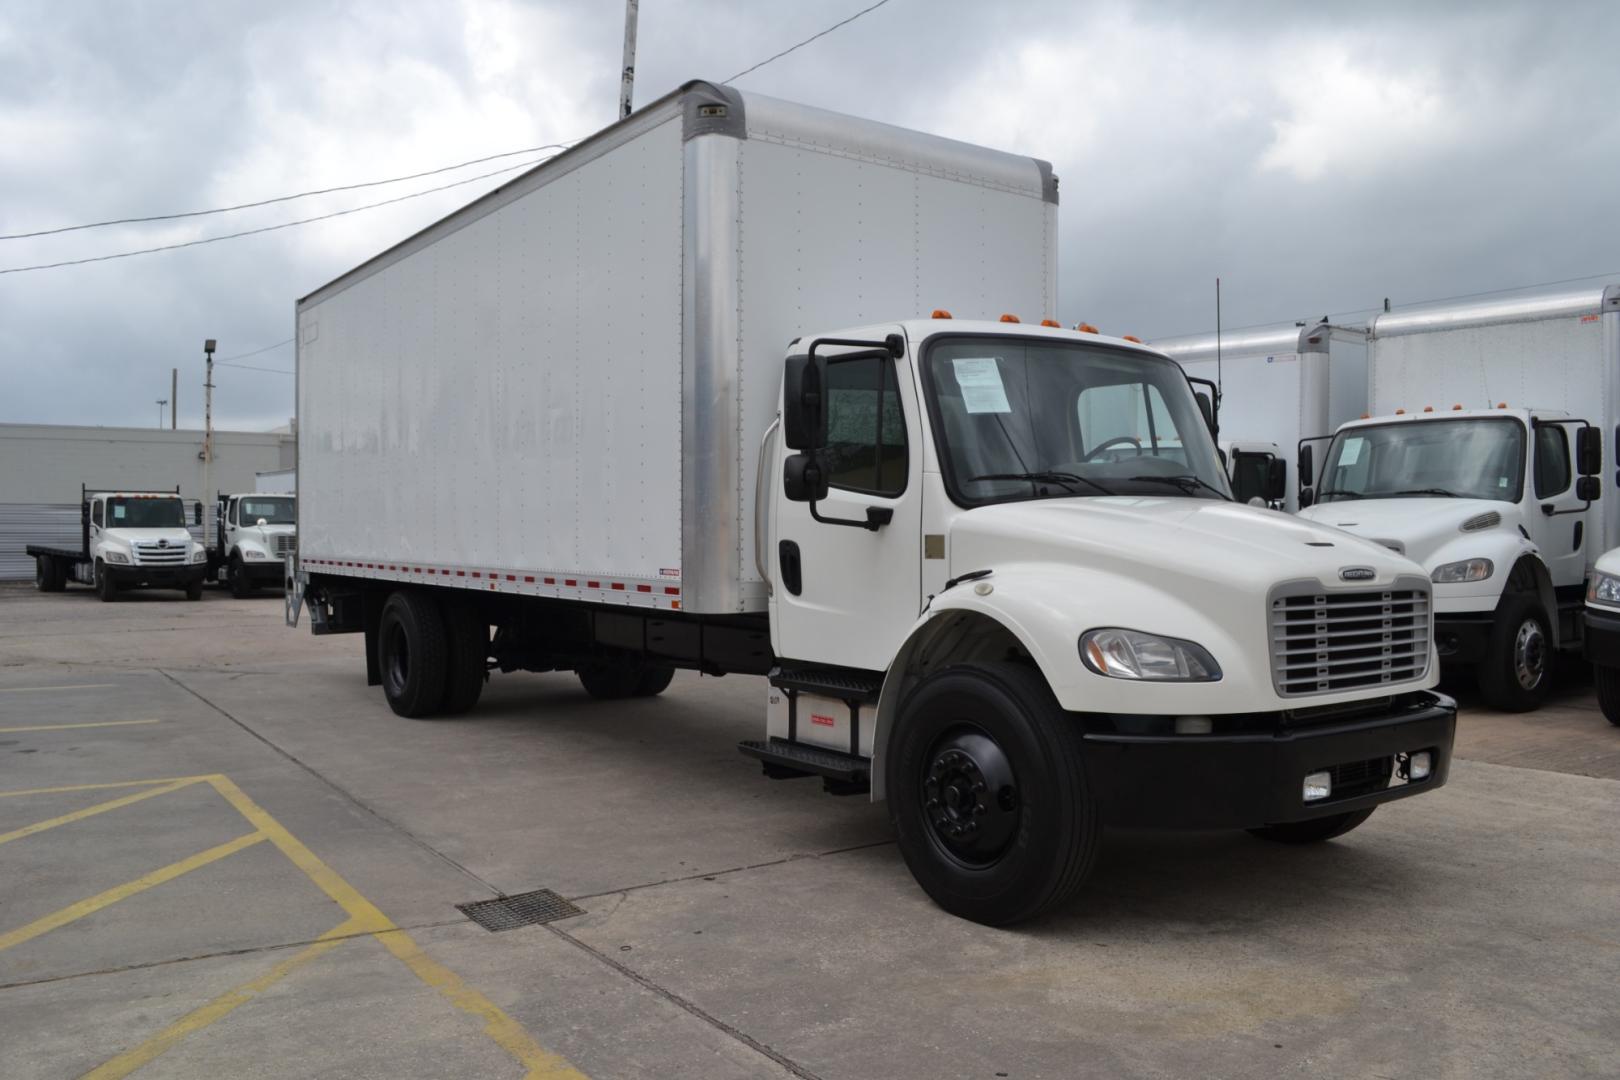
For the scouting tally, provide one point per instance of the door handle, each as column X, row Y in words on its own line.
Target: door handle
column 1547, row 508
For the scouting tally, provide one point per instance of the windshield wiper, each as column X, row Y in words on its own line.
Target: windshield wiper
column 1186, row 482
column 1067, row 479
column 1341, row 494
column 1423, row 491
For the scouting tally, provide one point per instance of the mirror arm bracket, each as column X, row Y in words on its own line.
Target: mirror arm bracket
column 876, row 518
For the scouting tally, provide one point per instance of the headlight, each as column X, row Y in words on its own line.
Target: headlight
column 1452, row 573
column 1131, row 654
column 200, row 555
column 1603, row 589
column 251, row 554
column 116, row 557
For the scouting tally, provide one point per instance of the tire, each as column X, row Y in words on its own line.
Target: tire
column 653, row 681
column 987, row 794
column 241, row 587
column 48, row 575
column 467, row 659
column 194, row 589
column 412, row 654
column 106, row 587
column 610, row 681
column 1608, row 692
column 1315, row 830
column 1516, row 672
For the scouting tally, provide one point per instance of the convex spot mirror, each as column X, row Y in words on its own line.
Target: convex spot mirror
column 1588, row 488
column 803, row 478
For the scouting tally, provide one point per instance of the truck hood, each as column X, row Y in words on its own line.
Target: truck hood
column 176, row 536
column 1165, row 539
column 1421, row 527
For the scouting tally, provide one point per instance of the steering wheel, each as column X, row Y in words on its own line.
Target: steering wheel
column 1137, row 443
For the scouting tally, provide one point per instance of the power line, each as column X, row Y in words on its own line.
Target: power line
column 806, row 41
column 280, row 198
column 270, row 228
column 255, row 352
column 250, row 367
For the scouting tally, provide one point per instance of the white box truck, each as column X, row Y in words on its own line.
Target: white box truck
column 254, row 532
column 128, row 540
column 1278, row 385
column 663, row 402
column 1481, row 462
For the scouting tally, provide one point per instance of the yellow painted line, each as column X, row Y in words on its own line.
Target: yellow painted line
column 47, row 689
column 125, row 891
column 507, row 1033
column 64, row 727
column 220, row 1007
column 94, row 787
column 92, row 811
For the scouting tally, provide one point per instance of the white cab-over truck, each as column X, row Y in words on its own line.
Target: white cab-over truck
column 129, row 539
column 253, row 535
column 660, row 403
column 1501, row 503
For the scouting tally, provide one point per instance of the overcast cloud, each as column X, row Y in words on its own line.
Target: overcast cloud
column 1317, row 160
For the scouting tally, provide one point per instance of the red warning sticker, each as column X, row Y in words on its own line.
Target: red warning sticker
column 824, row 721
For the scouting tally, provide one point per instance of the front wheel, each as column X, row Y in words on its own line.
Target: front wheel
column 1315, row 830
column 987, row 794
column 194, row 589
column 1516, row 673
column 106, row 587
column 240, row 585
column 1608, row 692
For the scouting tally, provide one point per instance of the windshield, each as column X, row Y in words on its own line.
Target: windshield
column 1023, row 419
column 145, row 513
column 277, row 510
column 1463, row 459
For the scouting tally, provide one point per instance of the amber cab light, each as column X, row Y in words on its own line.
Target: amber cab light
column 1132, row 337
column 1085, row 328
column 941, row 313
column 1009, row 318
column 1052, row 322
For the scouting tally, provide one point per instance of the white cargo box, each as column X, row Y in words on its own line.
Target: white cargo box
column 561, row 388
column 1280, row 384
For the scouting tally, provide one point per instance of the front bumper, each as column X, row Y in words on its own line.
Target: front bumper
column 1602, row 638
column 263, row 570
column 177, row 576
column 1463, row 638
column 1243, row 781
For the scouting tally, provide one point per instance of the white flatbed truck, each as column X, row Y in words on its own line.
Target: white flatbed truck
column 660, row 403
column 129, row 539
column 1481, row 462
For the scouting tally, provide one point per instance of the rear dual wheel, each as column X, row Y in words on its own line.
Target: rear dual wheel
column 433, row 656
column 49, row 574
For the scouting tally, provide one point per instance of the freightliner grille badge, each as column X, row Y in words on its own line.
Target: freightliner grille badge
column 1357, row 573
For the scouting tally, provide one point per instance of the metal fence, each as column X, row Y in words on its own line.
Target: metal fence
column 22, row 524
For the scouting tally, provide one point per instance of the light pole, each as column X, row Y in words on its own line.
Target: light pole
column 627, row 71
column 208, row 429
column 160, row 403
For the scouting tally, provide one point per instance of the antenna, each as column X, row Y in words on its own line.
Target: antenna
column 1217, row 341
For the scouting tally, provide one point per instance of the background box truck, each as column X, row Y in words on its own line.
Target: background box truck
column 1279, row 384
column 663, row 403
column 1481, row 463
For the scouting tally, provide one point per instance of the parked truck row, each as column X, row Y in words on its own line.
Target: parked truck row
column 671, row 401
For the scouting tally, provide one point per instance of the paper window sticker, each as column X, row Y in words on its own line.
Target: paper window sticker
column 982, row 388
column 118, row 511
column 1351, row 452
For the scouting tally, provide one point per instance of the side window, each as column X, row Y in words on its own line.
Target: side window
column 95, row 513
column 1552, row 460
column 866, row 432
column 232, row 508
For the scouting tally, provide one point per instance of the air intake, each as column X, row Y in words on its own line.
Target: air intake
column 1488, row 520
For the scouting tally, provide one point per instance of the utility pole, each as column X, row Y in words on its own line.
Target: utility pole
column 160, row 403
column 174, row 399
column 208, row 430
column 627, row 79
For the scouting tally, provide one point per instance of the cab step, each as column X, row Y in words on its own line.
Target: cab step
column 841, row 774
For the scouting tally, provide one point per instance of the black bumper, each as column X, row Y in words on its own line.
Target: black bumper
column 1253, row 779
column 1602, row 638
column 1463, row 639
column 159, row 577
column 263, row 570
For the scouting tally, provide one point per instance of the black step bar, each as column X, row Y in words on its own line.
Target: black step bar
column 841, row 774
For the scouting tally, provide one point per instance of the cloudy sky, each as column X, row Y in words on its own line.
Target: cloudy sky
column 1317, row 157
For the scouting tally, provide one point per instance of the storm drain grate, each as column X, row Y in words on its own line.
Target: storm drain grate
column 524, row 909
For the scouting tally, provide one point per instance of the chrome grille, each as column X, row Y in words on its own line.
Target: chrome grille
column 284, row 543
column 149, row 553
column 1324, row 641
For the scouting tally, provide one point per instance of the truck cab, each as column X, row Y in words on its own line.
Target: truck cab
column 1493, row 504
column 138, row 539
column 255, row 533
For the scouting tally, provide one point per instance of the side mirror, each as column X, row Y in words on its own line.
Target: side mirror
column 1276, row 480
column 1588, row 451
column 1206, row 409
column 803, row 478
column 1306, row 497
column 1307, row 470
column 197, row 516
column 804, row 416
column 1588, row 488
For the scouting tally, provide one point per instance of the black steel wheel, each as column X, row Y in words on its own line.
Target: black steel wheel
column 611, row 680
column 653, row 681
column 1608, row 691
column 194, row 589
column 236, row 574
column 412, row 654
column 467, row 659
column 48, row 574
column 988, row 796
column 106, row 587
column 1315, row 830
column 1516, row 673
